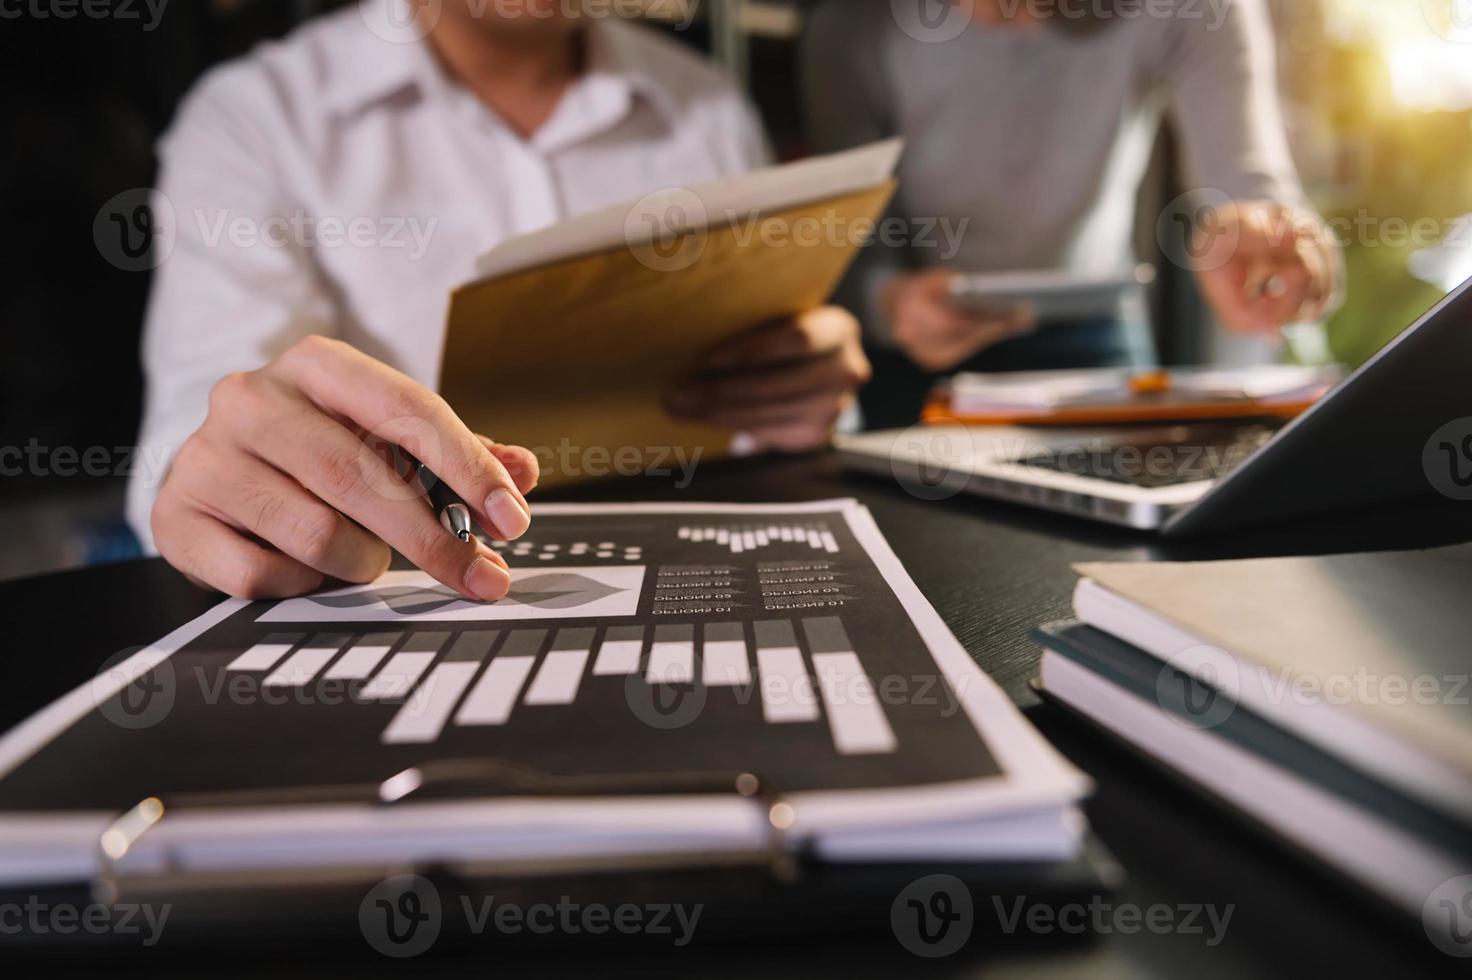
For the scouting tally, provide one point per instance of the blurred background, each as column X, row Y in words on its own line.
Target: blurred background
column 1377, row 95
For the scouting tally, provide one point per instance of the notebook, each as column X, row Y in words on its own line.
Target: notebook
column 1363, row 655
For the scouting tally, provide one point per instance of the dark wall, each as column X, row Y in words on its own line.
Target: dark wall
column 84, row 101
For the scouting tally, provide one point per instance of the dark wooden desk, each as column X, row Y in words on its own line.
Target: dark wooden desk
column 993, row 571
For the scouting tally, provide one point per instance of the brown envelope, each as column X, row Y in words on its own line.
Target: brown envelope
column 571, row 359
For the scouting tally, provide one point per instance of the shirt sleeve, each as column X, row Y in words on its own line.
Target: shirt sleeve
column 238, row 284
column 1223, row 88
column 846, row 104
column 1225, row 104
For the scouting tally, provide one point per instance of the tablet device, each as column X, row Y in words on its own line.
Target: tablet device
column 1051, row 295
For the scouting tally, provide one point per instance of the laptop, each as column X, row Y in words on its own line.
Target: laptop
column 1397, row 429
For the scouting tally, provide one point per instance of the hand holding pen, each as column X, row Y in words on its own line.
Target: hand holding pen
column 278, row 492
column 1263, row 266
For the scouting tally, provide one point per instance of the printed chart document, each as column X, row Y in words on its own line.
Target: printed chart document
column 638, row 642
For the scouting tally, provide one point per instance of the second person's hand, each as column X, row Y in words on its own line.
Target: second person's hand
column 782, row 386
column 935, row 333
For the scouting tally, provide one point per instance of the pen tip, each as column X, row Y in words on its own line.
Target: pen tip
column 464, row 535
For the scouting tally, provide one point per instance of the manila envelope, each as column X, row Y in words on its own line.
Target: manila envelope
column 571, row 359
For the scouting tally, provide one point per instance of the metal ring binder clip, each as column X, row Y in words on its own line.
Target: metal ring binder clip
column 473, row 778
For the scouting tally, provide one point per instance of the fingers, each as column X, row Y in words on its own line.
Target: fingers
column 521, row 463
column 342, row 380
column 937, row 334
column 945, row 350
column 258, row 499
column 787, row 383
column 1256, row 296
column 822, row 409
column 799, row 435
column 332, row 463
column 808, row 335
column 1264, row 266
column 206, row 550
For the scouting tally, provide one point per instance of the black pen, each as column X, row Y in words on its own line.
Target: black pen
column 451, row 510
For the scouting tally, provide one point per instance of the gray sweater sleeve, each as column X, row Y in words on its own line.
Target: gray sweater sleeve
column 1220, row 73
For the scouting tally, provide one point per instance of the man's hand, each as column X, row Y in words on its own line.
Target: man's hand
column 936, row 333
column 784, row 385
column 1263, row 266
column 282, row 487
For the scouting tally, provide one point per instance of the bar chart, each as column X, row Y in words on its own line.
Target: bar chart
column 743, row 538
column 783, row 671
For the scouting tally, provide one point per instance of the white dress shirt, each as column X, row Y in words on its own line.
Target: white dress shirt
column 341, row 183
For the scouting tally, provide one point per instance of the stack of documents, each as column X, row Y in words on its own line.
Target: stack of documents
column 1325, row 698
column 1053, row 391
column 663, row 682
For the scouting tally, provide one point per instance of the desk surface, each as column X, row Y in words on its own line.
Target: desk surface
column 993, row 571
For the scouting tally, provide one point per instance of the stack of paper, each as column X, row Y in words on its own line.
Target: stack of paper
column 981, row 394
column 646, row 658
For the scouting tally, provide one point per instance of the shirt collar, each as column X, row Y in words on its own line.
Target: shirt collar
column 388, row 54
column 384, row 53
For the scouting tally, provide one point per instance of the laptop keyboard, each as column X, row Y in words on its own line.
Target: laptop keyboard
column 1185, row 454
